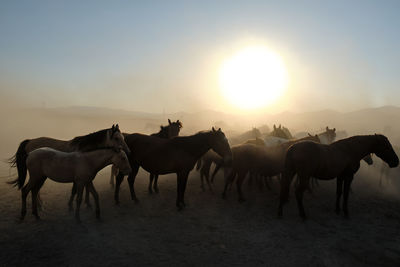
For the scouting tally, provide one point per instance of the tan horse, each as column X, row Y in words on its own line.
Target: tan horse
column 340, row 159
column 177, row 155
column 79, row 168
column 264, row 161
column 111, row 137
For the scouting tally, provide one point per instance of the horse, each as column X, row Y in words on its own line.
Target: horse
column 169, row 131
column 340, row 159
column 79, row 168
column 176, row 155
column 328, row 136
column 111, row 137
column 239, row 139
column 204, row 164
column 265, row 161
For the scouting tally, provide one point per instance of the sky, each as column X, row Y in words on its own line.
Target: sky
column 165, row 56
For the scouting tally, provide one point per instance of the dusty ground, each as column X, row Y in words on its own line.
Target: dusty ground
column 210, row 231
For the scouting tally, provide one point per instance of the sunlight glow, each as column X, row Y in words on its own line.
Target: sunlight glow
column 253, row 78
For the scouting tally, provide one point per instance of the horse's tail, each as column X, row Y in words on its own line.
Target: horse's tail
column 198, row 165
column 19, row 161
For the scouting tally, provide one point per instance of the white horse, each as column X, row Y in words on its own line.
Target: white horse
column 79, row 168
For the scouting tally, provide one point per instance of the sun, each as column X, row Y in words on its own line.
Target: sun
column 255, row 77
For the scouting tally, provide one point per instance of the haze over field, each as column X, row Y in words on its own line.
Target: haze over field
column 70, row 68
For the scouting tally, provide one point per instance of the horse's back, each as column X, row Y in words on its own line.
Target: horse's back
column 41, row 142
column 52, row 163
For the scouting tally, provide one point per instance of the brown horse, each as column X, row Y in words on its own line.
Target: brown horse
column 264, row 161
column 204, row 165
column 177, row 155
column 340, row 159
column 169, row 131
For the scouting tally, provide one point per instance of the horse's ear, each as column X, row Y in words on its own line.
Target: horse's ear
column 112, row 127
column 213, row 129
column 116, row 127
column 169, row 121
column 280, row 126
column 327, row 128
column 309, row 134
column 274, row 127
column 219, row 129
column 334, row 129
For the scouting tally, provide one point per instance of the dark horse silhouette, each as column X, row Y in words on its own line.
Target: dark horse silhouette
column 177, row 155
column 169, row 131
column 340, row 159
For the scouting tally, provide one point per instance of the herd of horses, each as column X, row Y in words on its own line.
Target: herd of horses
column 78, row 161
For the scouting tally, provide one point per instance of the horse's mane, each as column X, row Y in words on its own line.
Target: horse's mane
column 89, row 141
column 163, row 133
column 352, row 139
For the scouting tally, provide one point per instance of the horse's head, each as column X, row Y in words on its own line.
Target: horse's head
column 368, row 159
column 384, row 150
column 280, row 132
column 120, row 160
column 330, row 134
column 220, row 145
column 313, row 138
column 173, row 128
column 116, row 139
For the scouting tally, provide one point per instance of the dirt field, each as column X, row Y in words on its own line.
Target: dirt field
column 210, row 231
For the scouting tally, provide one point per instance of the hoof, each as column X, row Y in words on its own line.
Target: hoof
column 337, row 212
column 223, row 196
column 156, row 190
column 241, row 200
column 117, row 202
column 136, row 200
column 150, row 191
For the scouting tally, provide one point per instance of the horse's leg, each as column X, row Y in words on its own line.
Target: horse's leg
column 79, row 189
column 151, row 178
column 87, row 198
column 216, row 169
column 228, row 180
column 339, row 188
column 202, row 179
column 95, row 195
column 303, row 185
column 207, row 175
column 179, row 182
column 285, row 182
column 239, row 181
column 71, row 199
column 155, row 184
column 35, row 193
column 347, row 184
column 131, row 181
column 113, row 173
column 24, row 193
column 185, row 175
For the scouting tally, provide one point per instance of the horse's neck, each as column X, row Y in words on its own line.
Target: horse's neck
column 358, row 146
column 98, row 159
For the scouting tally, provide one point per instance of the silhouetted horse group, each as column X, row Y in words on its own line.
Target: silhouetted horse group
column 78, row 161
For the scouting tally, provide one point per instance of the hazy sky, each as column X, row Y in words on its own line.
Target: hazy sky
column 155, row 55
